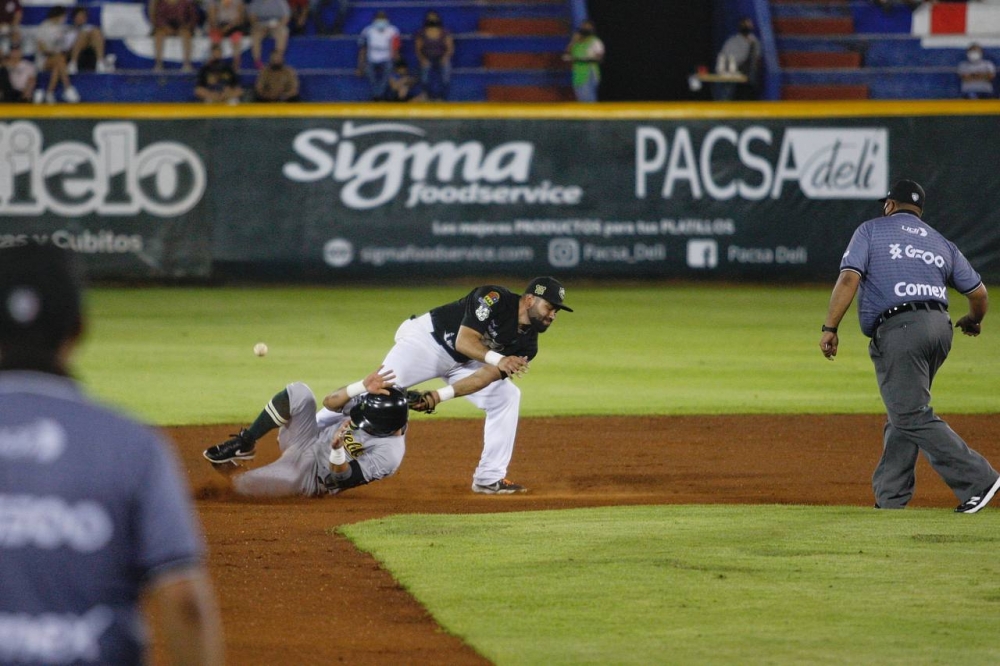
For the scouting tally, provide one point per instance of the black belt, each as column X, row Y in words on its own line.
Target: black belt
column 909, row 307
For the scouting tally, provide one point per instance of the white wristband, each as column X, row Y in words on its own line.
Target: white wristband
column 446, row 393
column 337, row 456
column 356, row 389
column 493, row 358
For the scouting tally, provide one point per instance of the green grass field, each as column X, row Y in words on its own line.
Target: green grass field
column 705, row 585
column 183, row 356
column 651, row 585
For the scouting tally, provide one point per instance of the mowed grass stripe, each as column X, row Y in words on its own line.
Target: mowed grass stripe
column 704, row 585
column 179, row 356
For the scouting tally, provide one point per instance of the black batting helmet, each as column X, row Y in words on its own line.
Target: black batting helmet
column 381, row 415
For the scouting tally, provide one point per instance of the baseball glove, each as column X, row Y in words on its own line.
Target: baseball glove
column 422, row 401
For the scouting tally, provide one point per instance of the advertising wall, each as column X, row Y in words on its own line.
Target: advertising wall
column 766, row 192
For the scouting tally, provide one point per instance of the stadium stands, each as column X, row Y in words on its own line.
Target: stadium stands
column 849, row 49
column 505, row 50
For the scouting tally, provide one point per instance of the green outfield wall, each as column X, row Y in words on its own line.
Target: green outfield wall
column 763, row 191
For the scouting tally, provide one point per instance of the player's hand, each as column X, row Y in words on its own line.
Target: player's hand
column 969, row 326
column 378, row 382
column 514, row 366
column 828, row 344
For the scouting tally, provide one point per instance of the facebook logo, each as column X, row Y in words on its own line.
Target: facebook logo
column 702, row 253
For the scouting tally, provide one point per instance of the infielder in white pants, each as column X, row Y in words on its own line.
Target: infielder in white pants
column 476, row 344
column 359, row 440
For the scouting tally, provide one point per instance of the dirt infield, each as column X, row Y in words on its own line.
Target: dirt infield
column 293, row 592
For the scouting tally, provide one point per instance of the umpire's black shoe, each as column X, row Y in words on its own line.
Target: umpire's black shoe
column 979, row 500
column 239, row 447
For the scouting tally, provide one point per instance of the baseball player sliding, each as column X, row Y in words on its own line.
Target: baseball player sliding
column 477, row 344
column 360, row 440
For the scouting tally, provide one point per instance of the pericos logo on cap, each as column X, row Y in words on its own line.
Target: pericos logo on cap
column 550, row 289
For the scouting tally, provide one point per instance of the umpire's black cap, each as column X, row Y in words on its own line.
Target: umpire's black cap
column 550, row 289
column 906, row 191
column 41, row 289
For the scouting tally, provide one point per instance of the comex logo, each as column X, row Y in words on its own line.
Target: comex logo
column 702, row 253
column 112, row 177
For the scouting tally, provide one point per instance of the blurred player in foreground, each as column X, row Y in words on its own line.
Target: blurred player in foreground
column 93, row 509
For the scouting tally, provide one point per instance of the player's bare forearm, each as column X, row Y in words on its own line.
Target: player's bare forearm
column 469, row 343
column 478, row 380
column 979, row 303
column 190, row 617
column 377, row 381
column 840, row 300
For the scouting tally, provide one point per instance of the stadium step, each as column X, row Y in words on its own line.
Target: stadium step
column 832, row 25
column 823, row 92
column 529, row 94
column 523, row 61
column 524, row 26
column 820, row 59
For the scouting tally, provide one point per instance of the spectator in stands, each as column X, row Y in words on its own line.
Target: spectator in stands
column 218, row 82
column 299, row 16
column 318, row 9
column 21, row 74
column 173, row 18
column 977, row 74
column 268, row 18
column 740, row 54
column 378, row 49
column 278, row 82
column 586, row 52
column 85, row 45
column 403, row 87
column 435, row 47
column 11, row 14
column 227, row 19
column 50, row 38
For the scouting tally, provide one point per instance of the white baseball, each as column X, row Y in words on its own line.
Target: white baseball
column 260, row 349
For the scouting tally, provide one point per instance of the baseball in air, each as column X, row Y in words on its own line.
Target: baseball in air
column 260, row 349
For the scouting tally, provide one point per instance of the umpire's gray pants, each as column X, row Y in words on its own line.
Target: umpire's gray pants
column 907, row 351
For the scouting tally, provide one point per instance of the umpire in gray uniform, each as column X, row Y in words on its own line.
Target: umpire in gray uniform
column 903, row 267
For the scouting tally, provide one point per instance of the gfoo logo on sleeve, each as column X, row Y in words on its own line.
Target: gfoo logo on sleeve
column 110, row 177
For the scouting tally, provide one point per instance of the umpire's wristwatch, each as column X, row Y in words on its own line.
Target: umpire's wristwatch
column 828, row 329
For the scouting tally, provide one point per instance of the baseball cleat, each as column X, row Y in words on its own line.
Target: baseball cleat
column 238, row 447
column 979, row 500
column 501, row 487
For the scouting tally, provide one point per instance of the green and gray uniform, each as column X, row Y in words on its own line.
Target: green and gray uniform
column 305, row 443
column 905, row 268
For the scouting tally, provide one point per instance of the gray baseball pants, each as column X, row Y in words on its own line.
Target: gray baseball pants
column 907, row 351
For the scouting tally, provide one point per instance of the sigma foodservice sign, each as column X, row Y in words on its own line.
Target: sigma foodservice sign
column 380, row 163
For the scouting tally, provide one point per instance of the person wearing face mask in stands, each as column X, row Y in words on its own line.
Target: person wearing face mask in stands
column 586, row 52
column 378, row 49
column 740, row 54
column 976, row 74
column 277, row 82
column 435, row 47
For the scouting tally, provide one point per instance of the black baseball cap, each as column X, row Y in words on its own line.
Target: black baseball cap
column 41, row 288
column 550, row 289
column 906, row 191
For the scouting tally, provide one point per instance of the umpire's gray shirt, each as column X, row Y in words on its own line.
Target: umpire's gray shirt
column 92, row 506
column 902, row 259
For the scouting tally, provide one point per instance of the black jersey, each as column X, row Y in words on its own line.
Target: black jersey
column 490, row 310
